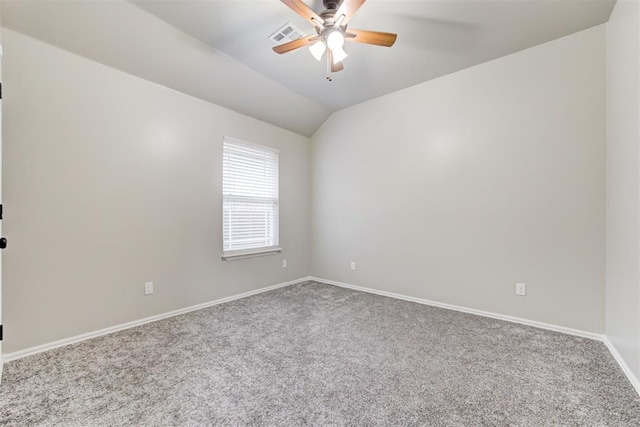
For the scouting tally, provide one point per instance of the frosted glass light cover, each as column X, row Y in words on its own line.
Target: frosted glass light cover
column 335, row 40
column 338, row 55
column 317, row 49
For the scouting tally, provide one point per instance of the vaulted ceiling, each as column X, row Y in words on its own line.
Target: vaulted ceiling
column 219, row 50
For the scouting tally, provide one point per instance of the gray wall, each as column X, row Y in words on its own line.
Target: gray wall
column 456, row 189
column 111, row 181
column 623, row 182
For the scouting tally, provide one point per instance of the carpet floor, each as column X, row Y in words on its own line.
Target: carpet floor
column 322, row 355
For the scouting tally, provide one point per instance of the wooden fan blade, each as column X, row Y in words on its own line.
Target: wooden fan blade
column 296, row 44
column 303, row 10
column 348, row 8
column 371, row 37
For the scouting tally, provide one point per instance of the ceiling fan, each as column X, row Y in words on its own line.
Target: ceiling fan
column 331, row 32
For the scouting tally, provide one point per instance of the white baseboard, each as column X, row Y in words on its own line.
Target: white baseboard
column 82, row 337
column 527, row 322
column 623, row 365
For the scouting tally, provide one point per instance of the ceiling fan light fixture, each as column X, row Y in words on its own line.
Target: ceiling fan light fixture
column 317, row 49
column 331, row 32
column 335, row 40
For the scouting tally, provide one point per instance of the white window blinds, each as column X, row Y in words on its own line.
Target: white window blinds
column 249, row 198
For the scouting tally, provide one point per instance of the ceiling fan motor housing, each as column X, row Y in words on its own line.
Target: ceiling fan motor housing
column 331, row 4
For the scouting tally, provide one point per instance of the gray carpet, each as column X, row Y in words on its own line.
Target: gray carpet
column 321, row 355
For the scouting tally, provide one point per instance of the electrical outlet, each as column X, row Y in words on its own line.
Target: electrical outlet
column 353, row 265
column 148, row 288
column 521, row 289
column 284, row 263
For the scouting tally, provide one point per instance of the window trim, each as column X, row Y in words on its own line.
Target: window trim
column 254, row 252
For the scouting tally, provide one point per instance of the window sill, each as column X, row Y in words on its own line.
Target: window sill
column 236, row 255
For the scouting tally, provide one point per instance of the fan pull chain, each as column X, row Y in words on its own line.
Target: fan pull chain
column 329, row 76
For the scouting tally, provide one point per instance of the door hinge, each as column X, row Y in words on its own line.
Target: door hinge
column 0, row 332
column 0, row 212
column 0, row 90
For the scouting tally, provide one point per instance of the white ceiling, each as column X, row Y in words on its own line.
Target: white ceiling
column 435, row 37
column 219, row 50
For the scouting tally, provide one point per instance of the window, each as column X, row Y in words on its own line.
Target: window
column 249, row 200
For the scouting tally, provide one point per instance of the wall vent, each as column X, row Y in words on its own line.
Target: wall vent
column 287, row 33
